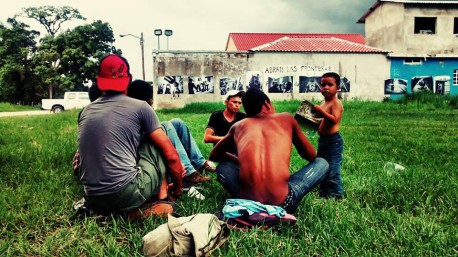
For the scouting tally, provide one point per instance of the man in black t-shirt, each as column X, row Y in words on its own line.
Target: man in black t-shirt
column 221, row 121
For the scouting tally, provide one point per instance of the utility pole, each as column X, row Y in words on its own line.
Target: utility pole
column 142, row 46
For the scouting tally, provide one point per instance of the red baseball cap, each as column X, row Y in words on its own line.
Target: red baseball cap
column 114, row 73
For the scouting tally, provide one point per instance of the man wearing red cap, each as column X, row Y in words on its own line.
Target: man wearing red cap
column 116, row 136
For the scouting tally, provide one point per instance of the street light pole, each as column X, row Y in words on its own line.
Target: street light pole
column 158, row 33
column 168, row 33
column 142, row 46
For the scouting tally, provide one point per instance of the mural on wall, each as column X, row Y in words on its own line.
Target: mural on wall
column 344, row 85
column 438, row 84
column 228, row 83
column 309, row 76
column 170, row 85
column 422, row 83
column 442, row 85
column 309, row 84
column 254, row 79
column 201, row 85
column 395, row 86
column 282, row 84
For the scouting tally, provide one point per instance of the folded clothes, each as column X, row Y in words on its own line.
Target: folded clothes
column 241, row 207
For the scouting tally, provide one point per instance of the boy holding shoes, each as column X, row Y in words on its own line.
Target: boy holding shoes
column 330, row 143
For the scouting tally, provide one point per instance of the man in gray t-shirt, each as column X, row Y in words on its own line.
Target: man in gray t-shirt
column 124, row 153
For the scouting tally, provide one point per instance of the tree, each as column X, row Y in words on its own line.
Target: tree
column 68, row 60
column 61, row 62
column 17, row 45
column 52, row 17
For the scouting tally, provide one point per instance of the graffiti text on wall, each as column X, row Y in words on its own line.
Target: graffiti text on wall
column 319, row 70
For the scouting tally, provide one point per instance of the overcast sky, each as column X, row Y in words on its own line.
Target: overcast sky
column 203, row 24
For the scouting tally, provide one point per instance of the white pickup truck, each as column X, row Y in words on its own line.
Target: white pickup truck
column 72, row 100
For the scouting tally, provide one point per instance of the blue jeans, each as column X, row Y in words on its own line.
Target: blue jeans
column 330, row 148
column 190, row 155
column 299, row 183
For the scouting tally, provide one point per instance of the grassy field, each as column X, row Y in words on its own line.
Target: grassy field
column 7, row 107
column 403, row 213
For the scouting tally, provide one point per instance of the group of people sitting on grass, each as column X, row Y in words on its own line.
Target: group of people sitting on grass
column 130, row 162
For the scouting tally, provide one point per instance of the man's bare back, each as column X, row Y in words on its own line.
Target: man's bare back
column 261, row 171
column 264, row 143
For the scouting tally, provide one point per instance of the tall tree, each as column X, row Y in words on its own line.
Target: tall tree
column 17, row 45
column 63, row 61
column 68, row 60
column 52, row 17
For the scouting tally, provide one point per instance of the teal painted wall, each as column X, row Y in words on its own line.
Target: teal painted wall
column 431, row 70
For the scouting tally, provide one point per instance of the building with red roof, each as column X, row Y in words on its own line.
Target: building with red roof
column 408, row 44
column 315, row 45
column 247, row 41
column 422, row 37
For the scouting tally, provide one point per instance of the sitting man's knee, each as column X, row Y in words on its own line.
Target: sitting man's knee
column 322, row 163
column 177, row 121
column 167, row 124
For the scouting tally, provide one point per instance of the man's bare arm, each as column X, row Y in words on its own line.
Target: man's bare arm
column 209, row 136
column 171, row 159
column 218, row 152
column 302, row 144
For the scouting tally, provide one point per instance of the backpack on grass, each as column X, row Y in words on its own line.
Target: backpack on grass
column 196, row 235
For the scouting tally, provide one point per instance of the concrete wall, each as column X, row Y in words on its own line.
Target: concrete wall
column 384, row 28
column 194, row 64
column 443, row 42
column 391, row 26
column 365, row 73
column 231, row 45
column 433, row 70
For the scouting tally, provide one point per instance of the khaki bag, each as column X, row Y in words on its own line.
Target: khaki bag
column 196, row 235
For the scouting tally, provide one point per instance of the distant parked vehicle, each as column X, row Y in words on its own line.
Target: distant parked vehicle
column 72, row 100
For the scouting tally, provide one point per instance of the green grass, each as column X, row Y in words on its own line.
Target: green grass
column 7, row 107
column 406, row 213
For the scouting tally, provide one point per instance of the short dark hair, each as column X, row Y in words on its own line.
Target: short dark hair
column 140, row 89
column 332, row 75
column 94, row 93
column 253, row 100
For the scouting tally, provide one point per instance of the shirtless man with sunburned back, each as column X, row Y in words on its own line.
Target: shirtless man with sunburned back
column 264, row 142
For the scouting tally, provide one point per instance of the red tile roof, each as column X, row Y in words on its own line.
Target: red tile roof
column 247, row 41
column 315, row 44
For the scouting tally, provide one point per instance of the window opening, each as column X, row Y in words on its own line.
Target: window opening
column 425, row 25
column 412, row 60
column 455, row 77
column 455, row 26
